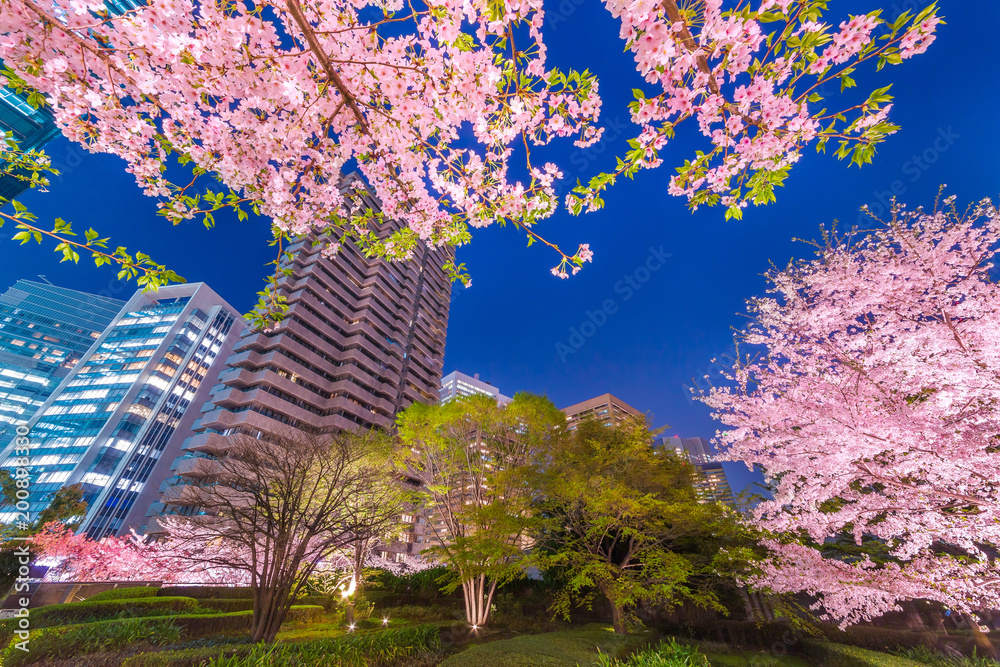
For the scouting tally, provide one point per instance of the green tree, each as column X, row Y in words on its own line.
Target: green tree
column 623, row 519
column 477, row 462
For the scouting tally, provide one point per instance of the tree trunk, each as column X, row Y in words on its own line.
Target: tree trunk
column 617, row 610
column 270, row 609
column 984, row 648
column 478, row 594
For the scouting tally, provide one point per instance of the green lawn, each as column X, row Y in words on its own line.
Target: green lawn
column 567, row 648
column 755, row 660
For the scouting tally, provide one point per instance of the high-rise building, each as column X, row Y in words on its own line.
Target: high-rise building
column 696, row 450
column 457, row 384
column 32, row 128
column 44, row 331
column 711, row 482
column 606, row 409
column 363, row 338
column 110, row 424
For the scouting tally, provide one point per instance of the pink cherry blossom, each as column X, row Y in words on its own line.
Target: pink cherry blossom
column 870, row 400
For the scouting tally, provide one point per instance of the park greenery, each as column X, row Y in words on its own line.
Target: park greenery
column 543, row 545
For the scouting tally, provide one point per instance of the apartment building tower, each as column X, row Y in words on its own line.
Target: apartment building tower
column 606, row 409
column 363, row 338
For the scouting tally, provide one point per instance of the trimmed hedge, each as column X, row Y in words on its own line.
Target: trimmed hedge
column 201, row 592
column 828, row 654
column 126, row 593
column 202, row 625
column 359, row 649
column 386, row 599
column 87, row 611
column 226, row 604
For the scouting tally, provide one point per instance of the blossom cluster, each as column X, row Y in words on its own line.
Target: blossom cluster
column 754, row 81
column 275, row 98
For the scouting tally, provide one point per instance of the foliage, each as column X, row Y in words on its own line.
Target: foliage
column 476, row 460
column 581, row 647
column 126, row 593
column 665, row 654
column 430, row 583
column 349, row 651
column 885, row 341
column 72, row 641
column 624, row 519
column 826, row 654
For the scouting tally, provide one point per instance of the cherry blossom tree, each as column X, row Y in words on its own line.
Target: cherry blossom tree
column 440, row 105
column 75, row 557
column 872, row 410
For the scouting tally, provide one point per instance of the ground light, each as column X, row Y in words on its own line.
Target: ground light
column 385, row 621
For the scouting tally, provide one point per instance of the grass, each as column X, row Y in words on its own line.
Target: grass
column 755, row 660
column 73, row 640
column 581, row 646
column 925, row 656
column 356, row 650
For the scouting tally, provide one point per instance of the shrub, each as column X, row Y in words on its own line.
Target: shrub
column 426, row 584
column 75, row 640
column 203, row 625
column 201, row 592
column 328, row 602
column 125, row 593
column 226, row 604
column 665, row 654
column 189, row 657
column 828, row 654
column 99, row 610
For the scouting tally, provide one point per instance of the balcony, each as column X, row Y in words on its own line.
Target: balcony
column 198, row 467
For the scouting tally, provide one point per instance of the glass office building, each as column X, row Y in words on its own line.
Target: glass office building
column 44, row 331
column 110, row 423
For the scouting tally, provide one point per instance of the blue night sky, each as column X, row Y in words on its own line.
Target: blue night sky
column 508, row 327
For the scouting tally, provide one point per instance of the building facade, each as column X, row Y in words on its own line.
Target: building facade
column 711, row 482
column 362, row 339
column 44, row 331
column 457, row 384
column 112, row 425
column 606, row 409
